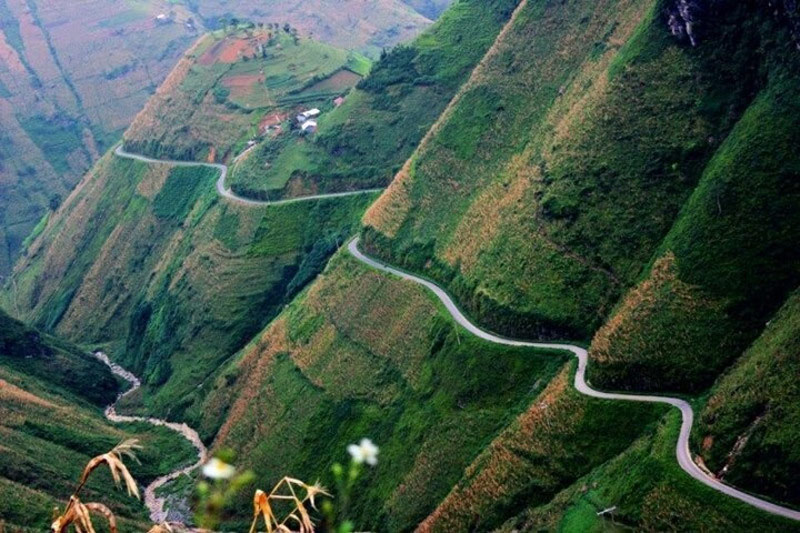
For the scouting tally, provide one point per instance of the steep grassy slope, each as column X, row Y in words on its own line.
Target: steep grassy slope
column 748, row 429
column 366, row 140
column 548, row 187
column 363, row 354
column 549, row 446
column 51, row 423
column 642, row 489
column 146, row 258
column 728, row 263
column 231, row 84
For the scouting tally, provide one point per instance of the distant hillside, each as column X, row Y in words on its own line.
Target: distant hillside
column 367, row 27
column 239, row 85
column 74, row 74
column 51, row 400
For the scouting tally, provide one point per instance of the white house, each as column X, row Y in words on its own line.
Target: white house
column 306, row 115
column 309, row 126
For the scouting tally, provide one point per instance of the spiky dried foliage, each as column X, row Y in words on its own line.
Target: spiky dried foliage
column 77, row 513
column 262, row 507
column 115, row 463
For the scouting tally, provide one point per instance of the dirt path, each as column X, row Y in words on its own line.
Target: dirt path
column 682, row 451
column 154, row 503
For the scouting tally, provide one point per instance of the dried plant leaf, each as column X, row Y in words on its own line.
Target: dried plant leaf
column 77, row 515
column 99, row 508
column 119, row 471
column 261, row 507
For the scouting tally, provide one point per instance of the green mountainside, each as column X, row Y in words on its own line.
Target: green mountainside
column 148, row 261
column 73, row 75
column 619, row 173
column 51, row 424
column 561, row 201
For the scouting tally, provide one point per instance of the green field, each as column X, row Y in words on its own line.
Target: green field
column 229, row 81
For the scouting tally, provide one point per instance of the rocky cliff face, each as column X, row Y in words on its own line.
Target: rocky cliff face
column 687, row 18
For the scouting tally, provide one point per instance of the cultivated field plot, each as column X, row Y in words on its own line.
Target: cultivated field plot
column 222, row 92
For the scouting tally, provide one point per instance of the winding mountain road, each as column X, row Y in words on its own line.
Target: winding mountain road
column 154, row 503
column 681, row 450
column 227, row 193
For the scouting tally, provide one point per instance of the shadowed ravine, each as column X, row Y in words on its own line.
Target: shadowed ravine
column 682, row 451
column 155, row 504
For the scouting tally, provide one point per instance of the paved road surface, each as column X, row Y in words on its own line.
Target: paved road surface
column 681, row 450
column 229, row 194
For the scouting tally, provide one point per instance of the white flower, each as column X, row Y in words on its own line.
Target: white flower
column 364, row 452
column 218, row 469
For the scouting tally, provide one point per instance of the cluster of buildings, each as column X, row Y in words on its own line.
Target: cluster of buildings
column 307, row 121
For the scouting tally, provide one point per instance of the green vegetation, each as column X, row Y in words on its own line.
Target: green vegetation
column 173, row 280
column 363, row 143
column 181, row 191
column 574, row 162
column 750, row 423
column 51, row 400
column 217, row 96
column 47, row 359
column 57, row 136
column 365, row 354
column 736, row 256
column 648, row 492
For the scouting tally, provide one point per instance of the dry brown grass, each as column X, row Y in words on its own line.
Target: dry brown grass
column 12, row 393
column 508, row 463
column 639, row 305
column 78, row 514
column 481, row 223
column 286, row 490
